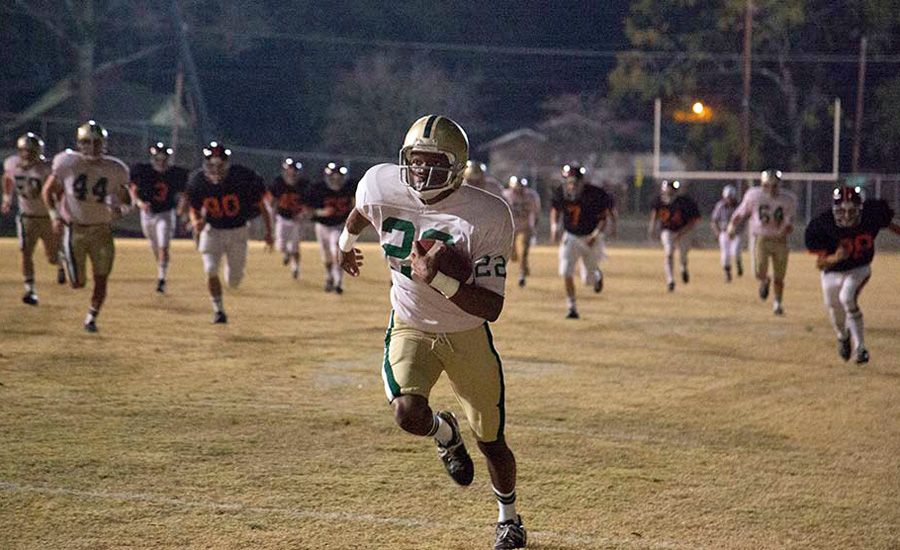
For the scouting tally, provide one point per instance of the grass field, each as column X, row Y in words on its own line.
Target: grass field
column 687, row 420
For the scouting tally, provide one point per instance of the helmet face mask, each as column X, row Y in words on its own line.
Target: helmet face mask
column 216, row 161
column 91, row 139
column 847, row 206
column 573, row 177
column 30, row 148
column 335, row 176
column 440, row 149
column 290, row 170
column 159, row 156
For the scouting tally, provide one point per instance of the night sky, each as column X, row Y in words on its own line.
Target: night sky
column 275, row 93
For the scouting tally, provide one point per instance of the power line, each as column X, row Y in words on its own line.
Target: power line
column 798, row 57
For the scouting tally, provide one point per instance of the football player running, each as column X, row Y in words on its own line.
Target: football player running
column 287, row 198
column 729, row 247
column 157, row 188
column 771, row 211
column 577, row 217
column 332, row 201
column 843, row 239
column 223, row 198
column 438, row 323
column 24, row 174
column 525, row 204
column 86, row 191
column 476, row 175
column 675, row 215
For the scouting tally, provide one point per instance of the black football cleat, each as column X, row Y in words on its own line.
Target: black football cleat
column 728, row 274
column 219, row 318
column 777, row 309
column 764, row 290
column 740, row 269
column 844, row 349
column 521, row 281
column 573, row 313
column 338, row 289
column 598, row 282
column 295, row 274
column 329, row 285
column 510, row 534
column 161, row 286
column 285, row 259
column 61, row 276
column 685, row 277
column 30, row 298
column 862, row 356
column 454, row 455
column 90, row 326
column 671, row 286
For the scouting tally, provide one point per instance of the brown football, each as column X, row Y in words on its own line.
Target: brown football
column 452, row 261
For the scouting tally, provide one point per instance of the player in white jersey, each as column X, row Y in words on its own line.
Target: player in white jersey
column 440, row 323
column 525, row 204
column 86, row 191
column 771, row 212
column 729, row 247
column 23, row 175
column 476, row 175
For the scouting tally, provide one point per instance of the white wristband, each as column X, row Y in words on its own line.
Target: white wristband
column 54, row 214
column 347, row 240
column 448, row 286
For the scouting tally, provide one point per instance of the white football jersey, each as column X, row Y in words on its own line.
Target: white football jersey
column 472, row 220
column 525, row 206
column 91, row 186
column 768, row 214
column 28, row 184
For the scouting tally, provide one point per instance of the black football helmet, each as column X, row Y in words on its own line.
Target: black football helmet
column 847, row 206
column 216, row 158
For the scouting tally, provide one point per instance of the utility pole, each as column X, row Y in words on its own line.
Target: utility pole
column 204, row 125
column 176, row 107
column 858, row 116
column 745, row 99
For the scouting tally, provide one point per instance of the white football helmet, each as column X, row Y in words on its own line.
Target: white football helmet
column 729, row 192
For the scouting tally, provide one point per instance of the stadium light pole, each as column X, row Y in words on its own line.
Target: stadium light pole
column 858, row 116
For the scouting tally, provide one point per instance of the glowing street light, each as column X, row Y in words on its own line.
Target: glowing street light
column 697, row 107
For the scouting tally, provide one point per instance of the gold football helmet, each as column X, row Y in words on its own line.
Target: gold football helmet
column 434, row 134
column 91, row 139
column 770, row 179
column 31, row 147
column 475, row 171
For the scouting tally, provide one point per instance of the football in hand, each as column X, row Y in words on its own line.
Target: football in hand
column 451, row 261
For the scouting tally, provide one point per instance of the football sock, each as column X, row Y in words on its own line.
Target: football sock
column 855, row 324
column 217, row 304
column 441, row 430
column 91, row 315
column 668, row 266
column 837, row 316
column 337, row 274
column 506, row 502
column 161, row 270
column 570, row 302
column 29, row 285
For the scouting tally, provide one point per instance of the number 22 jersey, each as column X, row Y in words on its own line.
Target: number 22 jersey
column 90, row 186
column 474, row 221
